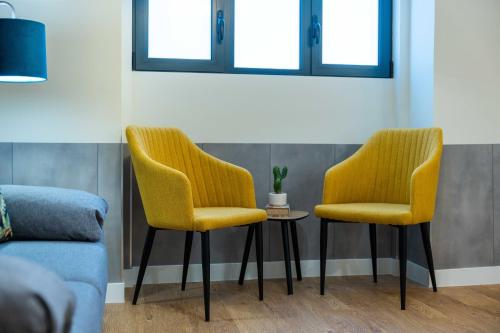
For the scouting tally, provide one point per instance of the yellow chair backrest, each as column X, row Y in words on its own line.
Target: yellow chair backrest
column 381, row 171
column 207, row 175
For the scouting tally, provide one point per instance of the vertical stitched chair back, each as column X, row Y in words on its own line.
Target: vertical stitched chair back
column 172, row 148
column 385, row 164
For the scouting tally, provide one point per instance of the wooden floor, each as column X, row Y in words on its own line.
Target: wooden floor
column 350, row 304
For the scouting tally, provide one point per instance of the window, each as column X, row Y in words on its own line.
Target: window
column 295, row 37
column 178, row 35
column 352, row 38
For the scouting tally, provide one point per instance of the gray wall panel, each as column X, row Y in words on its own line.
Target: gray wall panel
column 6, row 169
column 343, row 152
column 416, row 252
column 465, row 231
column 496, row 187
column 109, row 186
column 127, row 207
column 64, row 165
column 462, row 230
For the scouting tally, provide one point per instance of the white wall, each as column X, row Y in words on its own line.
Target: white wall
column 81, row 100
column 92, row 92
column 277, row 109
column 421, row 112
column 401, row 59
column 467, row 70
column 256, row 108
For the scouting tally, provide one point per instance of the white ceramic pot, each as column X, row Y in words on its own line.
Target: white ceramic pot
column 277, row 199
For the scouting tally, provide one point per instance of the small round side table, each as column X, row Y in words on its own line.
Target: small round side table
column 291, row 220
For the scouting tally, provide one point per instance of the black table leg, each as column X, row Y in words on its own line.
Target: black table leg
column 295, row 244
column 323, row 242
column 286, row 252
column 260, row 260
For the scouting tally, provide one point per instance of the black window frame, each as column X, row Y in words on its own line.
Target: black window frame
column 223, row 51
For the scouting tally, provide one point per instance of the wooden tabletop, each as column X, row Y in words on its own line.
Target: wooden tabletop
column 294, row 215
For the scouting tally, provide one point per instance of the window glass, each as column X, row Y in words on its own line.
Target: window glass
column 350, row 32
column 180, row 29
column 267, row 34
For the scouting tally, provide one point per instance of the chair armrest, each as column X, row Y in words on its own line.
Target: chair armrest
column 231, row 185
column 423, row 188
column 165, row 192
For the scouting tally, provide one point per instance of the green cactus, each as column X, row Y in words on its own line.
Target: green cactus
column 279, row 175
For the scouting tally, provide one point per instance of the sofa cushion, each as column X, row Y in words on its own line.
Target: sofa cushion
column 89, row 308
column 49, row 213
column 33, row 299
column 72, row 261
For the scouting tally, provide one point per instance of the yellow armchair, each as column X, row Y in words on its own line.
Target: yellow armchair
column 179, row 182
column 392, row 180
column 184, row 188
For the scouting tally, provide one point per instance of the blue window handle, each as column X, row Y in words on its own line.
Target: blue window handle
column 316, row 29
column 221, row 23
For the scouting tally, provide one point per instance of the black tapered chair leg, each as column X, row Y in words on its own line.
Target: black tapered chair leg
column 205, row 262
column 187, row 254
column 424, row 230
column 402, row 264
column 295, row 244
column 260, row 259
column 323, row 246
column 246, row 253
column 373, row 248
column 148, row 244
column 286, row 254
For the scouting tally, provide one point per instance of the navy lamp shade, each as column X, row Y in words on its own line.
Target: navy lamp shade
column 22, row 50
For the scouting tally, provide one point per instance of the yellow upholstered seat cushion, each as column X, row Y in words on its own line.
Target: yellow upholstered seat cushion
column 379, row 213
column 211, row 218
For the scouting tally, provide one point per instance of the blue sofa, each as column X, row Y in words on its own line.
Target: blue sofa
column 82, row 265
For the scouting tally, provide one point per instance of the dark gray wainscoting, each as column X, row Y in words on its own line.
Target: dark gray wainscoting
column 465, row 230
column 496, row 202
column 96, row 168
column 463, row 233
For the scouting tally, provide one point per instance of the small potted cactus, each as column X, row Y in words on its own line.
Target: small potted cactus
column 278, row 198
